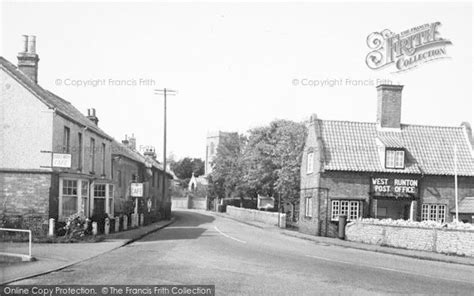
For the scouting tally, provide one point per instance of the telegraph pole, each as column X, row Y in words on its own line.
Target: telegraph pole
column 164, row 92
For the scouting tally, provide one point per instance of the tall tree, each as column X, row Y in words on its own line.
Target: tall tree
column 184, row 169
column 226, row 173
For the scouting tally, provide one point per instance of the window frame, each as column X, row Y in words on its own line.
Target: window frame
column 351, row 208
column 394, row 158
column 433, row 212
column 92, row 155
column 80, row 159
column 103, row 158
column 66, row 140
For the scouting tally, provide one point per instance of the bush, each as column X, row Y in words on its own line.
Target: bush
column 75, row 227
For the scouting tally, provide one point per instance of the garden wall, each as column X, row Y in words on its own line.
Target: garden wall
column 440, row 240
column 270, row 218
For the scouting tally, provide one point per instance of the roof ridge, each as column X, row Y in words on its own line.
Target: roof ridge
column 402, row 124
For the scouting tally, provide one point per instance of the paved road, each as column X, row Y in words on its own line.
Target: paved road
column 244, row 260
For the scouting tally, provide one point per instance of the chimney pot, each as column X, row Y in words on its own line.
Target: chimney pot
column 25, row 43
column 28, row 59
column 32, row 44
column 92, row 117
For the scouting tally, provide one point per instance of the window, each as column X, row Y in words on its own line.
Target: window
column 111, row 199
column 433, row 212
column 99, row 190
column 153, row 179
column 92, row 155
column 79, row 161
column 69, row 197
column 350, row 208
column 66, row 140
column 103, row 159
column 308, row 206
column 85, row 197
column 310, row 163
column 394, row 159
column 119, row 176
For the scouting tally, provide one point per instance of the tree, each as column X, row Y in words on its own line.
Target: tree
column 272, row 160
column 226, row 173
column 184, row 169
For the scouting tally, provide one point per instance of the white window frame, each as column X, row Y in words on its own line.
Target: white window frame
column 399, row 159
column 310, row 163
column 433, row 212
column 308, row 206
column 350, row 208
column 82, row 198
column 394, row 159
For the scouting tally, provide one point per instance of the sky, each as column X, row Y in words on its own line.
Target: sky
column 236, row 65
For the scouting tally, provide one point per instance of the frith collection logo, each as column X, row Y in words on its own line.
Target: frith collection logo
column 407, row 49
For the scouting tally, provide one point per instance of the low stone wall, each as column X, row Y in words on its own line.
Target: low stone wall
column 270, row 218
column 447, row 241
column 179, row 203
column 189, row 202
column 198, row 203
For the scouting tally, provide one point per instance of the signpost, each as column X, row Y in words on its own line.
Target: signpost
column 61, row 160
column 58, row 160
column 136, row 189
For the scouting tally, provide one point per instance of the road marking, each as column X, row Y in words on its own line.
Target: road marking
column 386, row 268
column 226, row 235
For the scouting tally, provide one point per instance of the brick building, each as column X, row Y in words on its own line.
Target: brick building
column 129, row 166
column 55, row 161
column 383, row 169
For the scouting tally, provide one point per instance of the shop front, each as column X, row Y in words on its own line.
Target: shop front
column 394, row 197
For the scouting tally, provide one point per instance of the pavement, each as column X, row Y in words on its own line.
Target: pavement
column 51, row 257
column 239, row 259
column 357, row 245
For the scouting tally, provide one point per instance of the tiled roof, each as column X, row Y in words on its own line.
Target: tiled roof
column 465, row 206
column 391, row 139
column 120, row 149
column 352, row 146
column 51, row 100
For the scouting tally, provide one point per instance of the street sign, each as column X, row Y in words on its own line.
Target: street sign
column 61, row 160
column 137, row 189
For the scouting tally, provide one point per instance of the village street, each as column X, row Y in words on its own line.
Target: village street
column 239, row 259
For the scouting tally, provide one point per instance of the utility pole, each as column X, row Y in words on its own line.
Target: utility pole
column 164, row 92
column 456, row 181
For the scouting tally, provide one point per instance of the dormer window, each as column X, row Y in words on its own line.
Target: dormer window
column 394, row 159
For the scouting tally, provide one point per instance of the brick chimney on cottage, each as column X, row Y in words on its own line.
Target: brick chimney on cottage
column 28, row 59
column 389, row 105
column 92, row 116
column 130, row 142
column 150, row 151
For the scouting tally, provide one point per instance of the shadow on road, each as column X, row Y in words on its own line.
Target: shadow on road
column 184, row 227
column 173, row 233
column 189, row 218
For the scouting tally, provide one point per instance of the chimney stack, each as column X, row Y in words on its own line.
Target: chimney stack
column 389, row 105
column 92, row 117
column 28, row 59
column 132, row 142
column 125, row 142
column 150, row 152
